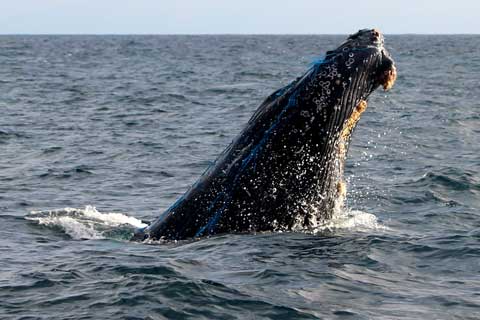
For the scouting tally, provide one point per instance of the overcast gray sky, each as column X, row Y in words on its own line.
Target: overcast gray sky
column 239, row 16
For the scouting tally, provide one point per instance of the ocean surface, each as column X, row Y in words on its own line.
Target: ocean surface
column 100, row 134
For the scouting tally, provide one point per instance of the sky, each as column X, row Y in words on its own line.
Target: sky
column 237, row 17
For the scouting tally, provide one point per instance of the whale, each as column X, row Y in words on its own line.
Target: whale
column 284, row 170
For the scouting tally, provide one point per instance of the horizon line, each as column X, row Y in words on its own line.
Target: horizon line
column 228, row 34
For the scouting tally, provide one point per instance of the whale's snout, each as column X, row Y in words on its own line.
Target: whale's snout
column 370, row 43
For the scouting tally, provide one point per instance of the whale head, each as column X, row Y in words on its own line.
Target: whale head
column 348, row 75
column 331, row 96
column 364, row 53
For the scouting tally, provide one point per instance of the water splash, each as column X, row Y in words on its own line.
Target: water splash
column 355, row 220
column 342, row 218
column 88, row 223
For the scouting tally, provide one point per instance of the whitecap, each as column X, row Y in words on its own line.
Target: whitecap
column 88, row 223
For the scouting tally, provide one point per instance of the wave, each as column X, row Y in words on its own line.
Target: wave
column 449, row 178
column 88, row 223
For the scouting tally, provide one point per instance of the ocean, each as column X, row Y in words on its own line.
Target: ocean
column 100, row 134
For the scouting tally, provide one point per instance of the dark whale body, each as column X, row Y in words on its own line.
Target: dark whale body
column 284, row 171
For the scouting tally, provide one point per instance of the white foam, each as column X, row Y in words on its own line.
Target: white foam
column 352, row 220
column 112, row 218
column 87, row 223
column 71, row 227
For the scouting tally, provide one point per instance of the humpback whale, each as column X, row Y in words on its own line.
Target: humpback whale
column 284, row 171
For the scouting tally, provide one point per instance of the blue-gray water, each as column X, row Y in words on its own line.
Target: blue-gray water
column 127, row 123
